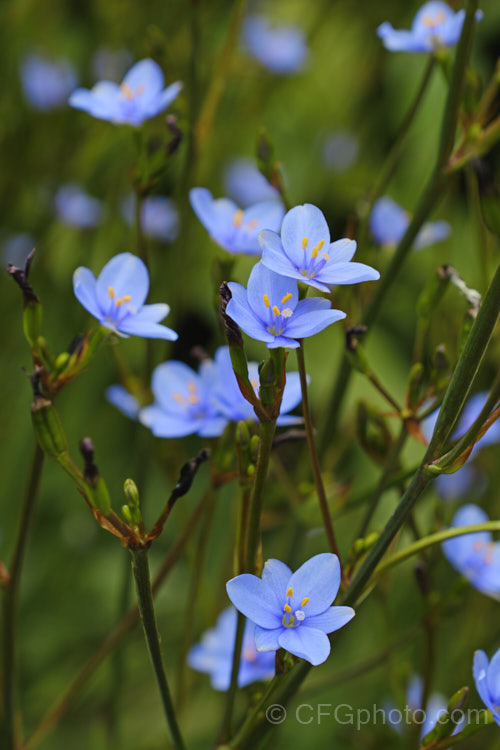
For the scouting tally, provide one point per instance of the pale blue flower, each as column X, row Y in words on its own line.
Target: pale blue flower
column 487, row 679
column 214, row 654
column 234, row 406
column 304, row 252
column 159, row 217
column 117, row 298
column 17, row 247
column 184, row 402
column 389, row 222
column 235, row 229
column 435, row 26
column 475, row 556
column 246, row 185
column 121, row 399
column 46, row 83
column 140, row 97
column 76, row 208
column 340, row 151
column 269, row 309
column 293, row 610
column 281, row 49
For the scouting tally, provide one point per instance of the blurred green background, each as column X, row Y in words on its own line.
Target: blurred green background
column 74, row 572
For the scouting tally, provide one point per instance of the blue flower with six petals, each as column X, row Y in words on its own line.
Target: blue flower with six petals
column 269, row 309
column 487, row 679
column 293, row 610
column 304, row 252
column 235, row 229
column 117, row 298
column 389, row 222
column 139, row 97
column 246, row 184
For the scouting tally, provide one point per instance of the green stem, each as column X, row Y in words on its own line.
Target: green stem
column 313, row 453
column 140, row 568
column 11, row 596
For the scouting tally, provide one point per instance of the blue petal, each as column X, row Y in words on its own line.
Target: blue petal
column 281, row 49
column 217, row 216
column 301, row 222
column 127, row 275
column 494, row 678
column 145, row 74
column 122, row 400
column 307, row 643
column 401, row 41
column 212, row 427
column 101, row 102
column 342, row 251
column 414, row 692
column 84, row 287
column 165, row 425
column 163, row 100
column 347, row 273
column 267, row 640
column 388, row 222
column 239, row 310
column 480, row 668
column 306, row 324
column 136, row 325
column 255, row 599
column 169, row 381
column 431, row 233
column 263, row 216
column 319, row 580
column 263, row 281
column 458, row 550
column 332, row 619
column 246, row 184
column 276, row 574
column 283, row 342
column 292, row 393
column 274, row 257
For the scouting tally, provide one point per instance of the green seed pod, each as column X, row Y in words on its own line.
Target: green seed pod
column 32, row 322
column 99, row 496
column 48, row 427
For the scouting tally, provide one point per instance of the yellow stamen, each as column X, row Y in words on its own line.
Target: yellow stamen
column 111, row 292
column 289, row 591
column 276, row 311
column 191, row 387
column 287, row 296
column 238, row 218
column 304, row 601
column 265, row 297
column 140, row 89
column 119, row 302
column 326, row 256
column 435, row 20
column 287, row 608
column 126, row 298
column 252, row 224
column 317, row 248
column 127, row 91
column 305, row 240
column 178, row 397
column 193, row 399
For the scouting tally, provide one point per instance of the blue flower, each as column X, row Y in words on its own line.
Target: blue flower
column 140, row 96
column 117, row 298
column 293, row 610
column 436, row 708
column 435, row 26
column 159, row 217
column 76, row 208
column 184, row 402
column 269, row 309
column 281, row 49
column 214, row 654
column 246, row 184
column 234, row 406
column 304, row 251
column 475, row 556
column 121, row 399
column 47, row 84
column 234, row 229
column 487, row 679
column 16, row 247
column 389, row 222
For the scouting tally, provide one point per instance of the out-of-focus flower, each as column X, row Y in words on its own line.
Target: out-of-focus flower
column 47, row 83
column 281, row 49
column 121, row 399
column 293, row 610
column 16, row 247
column 475, row 556
column 435, row 709
column 389, row 222
column 184, row 402
column 140, row 97
column 235, row 229
column 234, row 406
column 434, row 26
column 76, row 208
column 246, row 184
column 487, row 679
column 111, row 65
column 214, row 654
column 269, row 309
column 117, row 298
column 159, row 217
column 304, row 252
column 340, row 151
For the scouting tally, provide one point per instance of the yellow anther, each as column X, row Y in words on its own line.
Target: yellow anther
column 287, row 312
column 178, row 397
column 276, row 311
column 140, row 89
column 265, row 297
column 434, row 20
column 255, row 383
column 287, row 608
column 193, row 399
column 326, row 256
column 191, row 387
column 111, row 292
column 316, row 249
column 252, row 224
column 287, row 296
column 289, row 591
column 119, row 302
column 304, row 601
column 127, row 91
column 238, row 218
column 304, row 242
column 126, row 298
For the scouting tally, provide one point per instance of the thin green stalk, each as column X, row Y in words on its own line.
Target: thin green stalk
column 140, row 568
column 313, row 453
column 11, row 596
column 142, row 245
